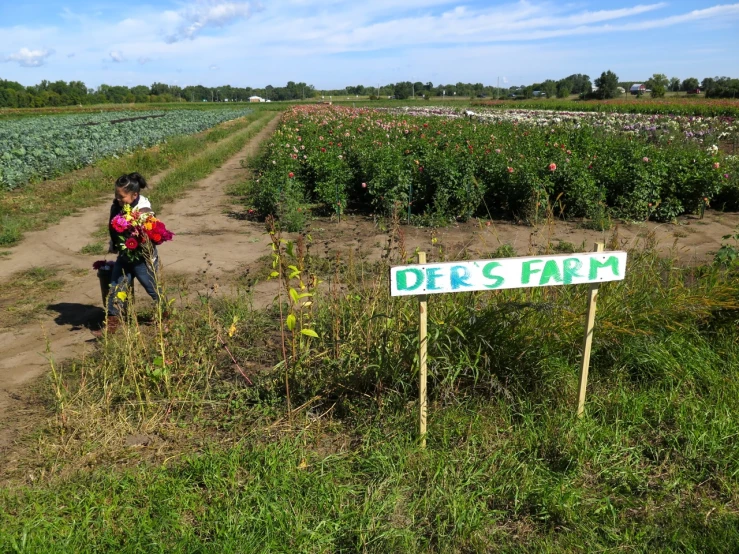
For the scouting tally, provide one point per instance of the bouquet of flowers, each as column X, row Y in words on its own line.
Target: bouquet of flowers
column 139, row 232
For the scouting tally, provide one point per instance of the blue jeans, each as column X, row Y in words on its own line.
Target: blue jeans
column 122, row 280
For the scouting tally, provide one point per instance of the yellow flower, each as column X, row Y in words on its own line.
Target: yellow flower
column 122, row 296
column 148, row 225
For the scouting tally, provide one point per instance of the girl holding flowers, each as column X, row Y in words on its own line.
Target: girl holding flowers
column 134, row 233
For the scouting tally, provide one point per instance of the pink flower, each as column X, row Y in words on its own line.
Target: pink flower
column 119, row 223
column 291, row 175
column 364, row 185
column 716, row 165
column 510, row 170
column 552, row 167
column 726, row 175
column 645, row 159
column 497, row 150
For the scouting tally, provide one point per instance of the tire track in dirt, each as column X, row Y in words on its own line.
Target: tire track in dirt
column 210, row 243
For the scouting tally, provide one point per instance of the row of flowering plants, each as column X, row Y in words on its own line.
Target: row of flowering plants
column 680, row 106
column 453, row 167
column 665, row 128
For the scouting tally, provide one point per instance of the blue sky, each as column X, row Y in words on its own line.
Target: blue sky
column 333, row 43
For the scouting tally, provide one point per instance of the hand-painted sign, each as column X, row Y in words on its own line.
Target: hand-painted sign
column 507, row 273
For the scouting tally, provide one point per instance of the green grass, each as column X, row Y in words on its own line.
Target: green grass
column 39, row 205
column 653, row 465
column 200, row 167
column 98, row 247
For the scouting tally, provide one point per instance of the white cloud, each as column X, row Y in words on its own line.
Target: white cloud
column 30, row 58
column 208, row 13
column 334, row 42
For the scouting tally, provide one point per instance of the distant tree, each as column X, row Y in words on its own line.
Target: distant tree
column 563, row 91
column 691, row 83
column 607, row 85
column 577, row 83
column 722, row 87
column 675, row 84
column 549, row 88
column 658, row 83
column 403, row 90
column 707, row 84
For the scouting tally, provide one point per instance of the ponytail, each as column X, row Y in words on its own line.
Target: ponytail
column 131, row 182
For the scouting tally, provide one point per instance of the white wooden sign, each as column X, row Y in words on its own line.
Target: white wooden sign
column 507, row 273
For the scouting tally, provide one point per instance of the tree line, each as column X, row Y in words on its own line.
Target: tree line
column 607, row 86
column 62, row 93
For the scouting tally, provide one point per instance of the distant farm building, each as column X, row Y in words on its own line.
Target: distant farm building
column 637, row 88
column 621, row 90
column 256, row 99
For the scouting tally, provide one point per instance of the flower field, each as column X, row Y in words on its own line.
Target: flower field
column 43, row 147
column 661, row 128
column 666, row 106
column 513, row 164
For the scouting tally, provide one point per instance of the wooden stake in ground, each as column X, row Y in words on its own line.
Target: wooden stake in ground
column 588, row 343
column 422, row 353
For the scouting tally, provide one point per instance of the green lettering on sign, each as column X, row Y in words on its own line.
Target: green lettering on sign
column 551, row 271
column 402, row 277
column 527, row 271
column 595, row 266
column 571, row 266
column 487, row 272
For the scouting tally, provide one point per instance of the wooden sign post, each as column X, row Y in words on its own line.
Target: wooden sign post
column 507, row 273
column 588, row 342
column 422, row 353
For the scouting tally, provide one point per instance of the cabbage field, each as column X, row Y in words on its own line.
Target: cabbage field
column 42, row 147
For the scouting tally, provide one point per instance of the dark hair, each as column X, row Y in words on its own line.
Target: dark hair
column 131, row 182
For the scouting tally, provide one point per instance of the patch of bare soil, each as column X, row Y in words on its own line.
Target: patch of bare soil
column 692, row 240
column 208, row 246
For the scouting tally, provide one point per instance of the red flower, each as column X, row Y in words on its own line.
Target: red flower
column 552, row 167
column 291, row 175
column 132, row 244
column 510, row 170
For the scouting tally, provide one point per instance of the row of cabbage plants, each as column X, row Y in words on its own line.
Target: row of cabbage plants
column 36, row 148
column 456, row 168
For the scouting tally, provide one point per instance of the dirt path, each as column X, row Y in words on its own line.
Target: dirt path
column 210, row 242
